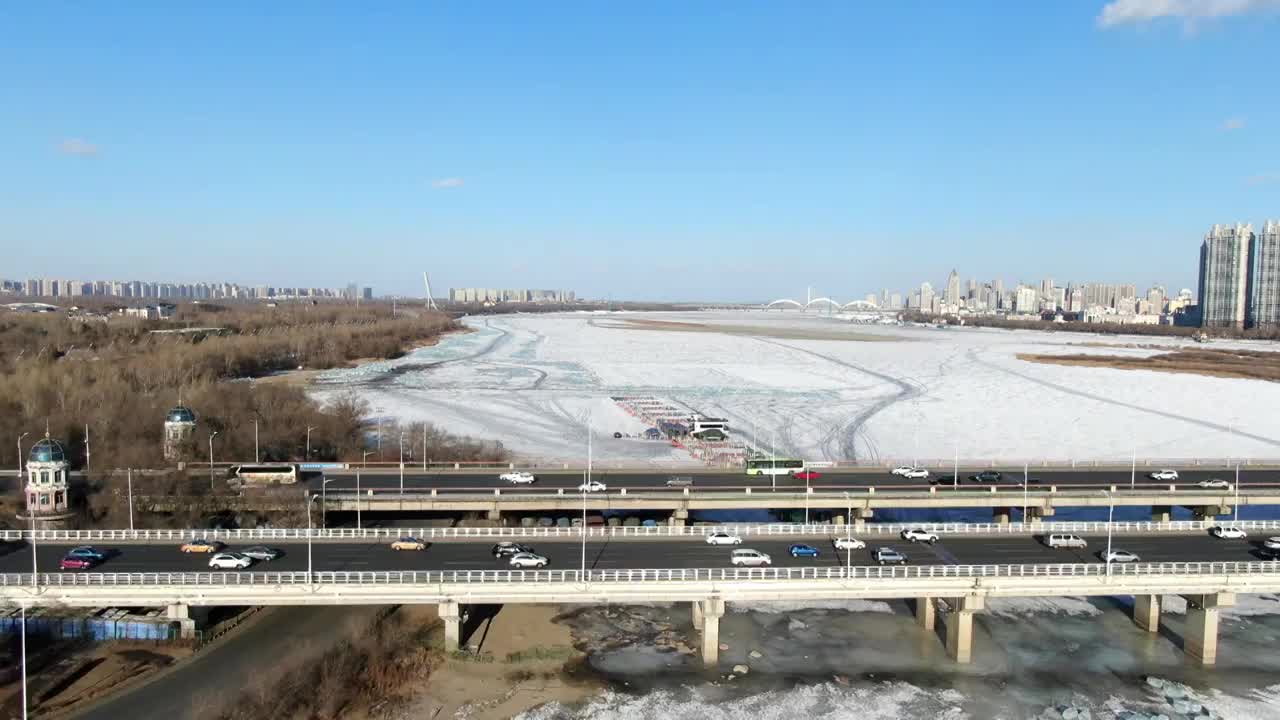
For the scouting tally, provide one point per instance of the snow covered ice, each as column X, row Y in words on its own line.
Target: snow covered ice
column 812, row 386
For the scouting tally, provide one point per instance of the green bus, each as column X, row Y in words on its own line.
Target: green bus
column 774, row 466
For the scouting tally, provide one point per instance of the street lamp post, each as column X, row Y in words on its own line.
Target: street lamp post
column 324, row 500
column 848, row 521
column 211, row 436
column 24, row 662
column 20, row 457
column 310, row 499
column 87, row 455
column 1133, row 468
column 955, row 468
column 773, row 453
column 1111, row 508
column 402, row 463
column 362, row 462
column 1236, row 503
column 129, row 480
column 257, row 458
column 307, row 455
column 586, row 486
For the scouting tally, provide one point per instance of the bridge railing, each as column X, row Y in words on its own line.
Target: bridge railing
column 436, row 577
column 695, row 532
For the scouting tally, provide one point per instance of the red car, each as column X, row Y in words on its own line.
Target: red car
column 808, row 475
column 75, row 563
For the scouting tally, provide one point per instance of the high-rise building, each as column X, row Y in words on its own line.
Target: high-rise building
column 953, row 288
column 1025, row 301
column 1224, row 276
column 926, row 296
column 1046, row 289
column 1265, row 275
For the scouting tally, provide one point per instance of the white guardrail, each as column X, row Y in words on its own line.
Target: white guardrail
column 391, row 577
column 659, row 531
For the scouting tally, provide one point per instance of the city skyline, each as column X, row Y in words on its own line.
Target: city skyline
column 753, row 149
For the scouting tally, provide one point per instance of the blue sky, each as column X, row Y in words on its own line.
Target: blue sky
column 668, row 150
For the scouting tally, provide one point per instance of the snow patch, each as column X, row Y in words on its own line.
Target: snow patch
column 1013, row 607
column 1246, row 606
column 774, row 607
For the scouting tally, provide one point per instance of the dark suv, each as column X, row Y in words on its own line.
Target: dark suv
column 986, row 476
column 507, row 549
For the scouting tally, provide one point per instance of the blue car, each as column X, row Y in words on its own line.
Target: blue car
column 799, row 550
column 87, row 552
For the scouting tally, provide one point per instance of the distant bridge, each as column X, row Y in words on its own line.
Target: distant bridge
column 828, row 302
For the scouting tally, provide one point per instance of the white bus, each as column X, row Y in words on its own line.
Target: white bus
column 698, row 423
column 774, row 466
column 281, row 473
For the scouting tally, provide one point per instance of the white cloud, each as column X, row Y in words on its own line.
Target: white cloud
column 1120, row 12
column 1232, row 123
column 76, row 146
column 446, row 183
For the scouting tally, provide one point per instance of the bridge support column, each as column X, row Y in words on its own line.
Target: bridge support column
column 712, row 610
column 495, row 515
column 1000, row 516
column 181, row 614
column 837, row 519
column 1161, row 513
column 1208, row 512
column 678, row 518
column 451, row 614
column 1146, row 612
column 960, row 627
column 697, row 615
column 1201, row 636
column 860, row 518
column 926, row 613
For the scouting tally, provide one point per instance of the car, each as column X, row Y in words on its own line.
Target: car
column 1164, row 475
column 1214, row 484
column 201, row 545
column 507, row 549
column 1030, row 481
column 680, row 481
column 802, row 550
column 742, row 558
column 408, row 542
column 1267, row 553
column 519, row 477
column 918, row 535
column 901, row 470
column 527, row 560
column 807, row 475
column 617, row 436
column 1119, row 556
column 87, row 552
column 1271, row 543
column 593, row 486
column 1065, row 540
column 261, row 552
column 230, row 561
column 987, row 476
column 916, row 474
column 723, row 538
column 889, row 556
column 848, row 543
column 1226, row 532
column 71, row 562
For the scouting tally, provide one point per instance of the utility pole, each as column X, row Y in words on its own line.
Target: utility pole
column 86, row 449
column 130, row 482
column 256, row 457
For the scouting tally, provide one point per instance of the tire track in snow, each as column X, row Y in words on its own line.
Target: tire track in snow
column 850, row 430
column 973, row 355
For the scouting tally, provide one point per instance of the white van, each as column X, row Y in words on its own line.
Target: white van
column 740, row 558
column 1064, row 540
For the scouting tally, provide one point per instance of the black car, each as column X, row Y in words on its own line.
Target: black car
column 986, row 476
column 507, row 549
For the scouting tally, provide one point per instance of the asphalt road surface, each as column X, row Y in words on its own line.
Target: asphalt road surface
column 619, row 553
column 345, row 480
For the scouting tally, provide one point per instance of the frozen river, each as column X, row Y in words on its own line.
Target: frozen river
column 813, row 386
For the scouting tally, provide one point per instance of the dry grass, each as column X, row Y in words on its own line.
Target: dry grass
column 1243, row 364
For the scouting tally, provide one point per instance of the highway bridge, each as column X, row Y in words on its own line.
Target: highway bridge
column 855, row 493
column 970, row 564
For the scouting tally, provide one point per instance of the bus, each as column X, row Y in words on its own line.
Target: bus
column 774, row 466
column 281, row 473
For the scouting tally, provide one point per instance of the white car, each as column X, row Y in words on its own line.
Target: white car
column 1214, row 484
column 230, row 561
column 1271, row 543
column 593, row 486
column 902, row 470
column 1065, row 540
column 918, row 535
column 848, row 543
column 916, row 474
column 527, row 560
column 741, row 558
column 723, row 538
column 1119, row 556
column 1164, row 475
column 1228, row 533
column 518, row 478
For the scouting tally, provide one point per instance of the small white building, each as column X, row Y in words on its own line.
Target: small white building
column 47, row 489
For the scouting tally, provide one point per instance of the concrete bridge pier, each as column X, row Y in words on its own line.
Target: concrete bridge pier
column 1162, row 513
column 860, row 518
column 706, row 618
column 1200, row 640
column 495, row 515
column 1000, row 515
column 181, row 614
column 1209, row 512
column 926, row 613
column 451, row 614
column 679, row 518
column 1146, row 612
column 960, row 627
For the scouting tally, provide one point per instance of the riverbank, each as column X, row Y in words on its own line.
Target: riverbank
column 305, row 377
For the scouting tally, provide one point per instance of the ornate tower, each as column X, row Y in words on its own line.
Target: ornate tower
column 179, row 427
column 48, row 504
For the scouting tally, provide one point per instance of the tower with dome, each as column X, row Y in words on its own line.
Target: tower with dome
column 179, row 428
column 47, row 488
